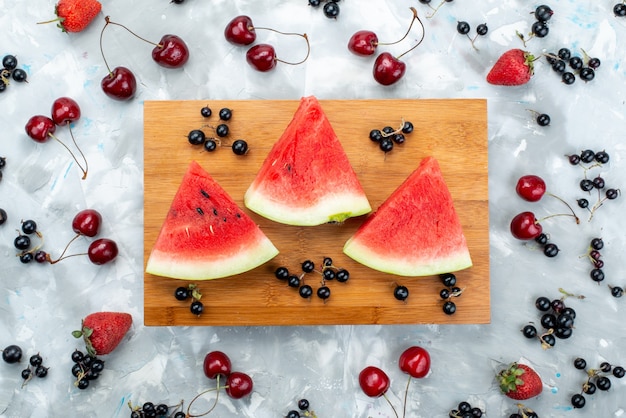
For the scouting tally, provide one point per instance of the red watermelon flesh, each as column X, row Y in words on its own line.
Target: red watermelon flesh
column 206, row 235
column 307, row 179
column 416, row 231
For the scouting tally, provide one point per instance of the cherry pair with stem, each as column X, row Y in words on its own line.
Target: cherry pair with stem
column 387, row 68
column 414, row 361
column 120, row 82
column 262, row 57
column 64, row 112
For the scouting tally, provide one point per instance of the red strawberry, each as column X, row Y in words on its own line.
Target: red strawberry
column 76, row 15
column 520, row 382
column 513, row 68
column 103, row 331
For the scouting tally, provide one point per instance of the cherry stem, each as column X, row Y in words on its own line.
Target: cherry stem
column 106, row 19
column 407, row 31
column 217, row 395
column 415, row 17
column 568, row 206
column 435, row 9
column 391, row 405
column 84, row 170
column 63, row 256
column 133, row 33
column 304, row 35
column 406, row 395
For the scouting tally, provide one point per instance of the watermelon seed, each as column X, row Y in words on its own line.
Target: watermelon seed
column 200, row 211
column 205, row 194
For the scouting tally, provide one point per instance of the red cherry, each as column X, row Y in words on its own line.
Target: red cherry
column 87, row 222
column 102, row 251
column 216, row 363
column 171, row 52
column 388, row 69
column 530, row 187
column 65, row 111
column 240, row 31
column 238, row 385
column 373, row 381
column 415, row 361
column 262, row 57
column 119, row 84
column 40, row 128
column 363, row 42
column 524, row 226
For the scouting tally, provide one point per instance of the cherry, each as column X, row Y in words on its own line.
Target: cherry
column 238, row 385
column 240, row 31
column 262, row 57
column 171, row 52
column 530, row 187
column 216, row 363
column 363, row 42
column 389, row 69
column 40, row 128
column 415, row 361
column 374, row 381
column 102, row 251
column 525, row 226
column 119, row 84
column 87, row 222
column 65, row 111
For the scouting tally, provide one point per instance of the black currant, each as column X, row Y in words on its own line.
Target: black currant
column 196, row 137
column 323, row 292
column 540, row 29
column 305, row 291
column 543, row 303
column 548, row 339
column 29, row 227
column 564, row 54
column 574, row 159
column 206, row 112
column 559, row 66
column 449, row 307
column 464, row 406
column 612, row 194
column 386, row 144
column 550, row 250
column 161, row 409
column 580, row 363
column 196, row 307
column 331, row 10
column 444, row 294
column 543, row 119
column 329, row 274
column 281, row 273
column 529, row 331
column 315, row 3
column 586, row 185
column 589, row 388
column 35, row 360
column 606, row 367
column 407, row 128
column 448, row 279
column 19, row 75
column 541, row 239
column 587, row 156
column 598, row 182
column 597, row 275
column 563, row 333
column 594, row 63
column 602, row 157
column 619, row 372
column 240, row 147
column 293, row 414
column 41, row 371
column 77, row 356
column 26, row 374
column 482, row 29
column 308, row 266
column 9, row 62
column 221, row 130
column 463, row 27
column 582, row 203
column 401, row 292
column 376, row 135
column 617, row 291
column 587, row 74
column 225, row 113
column 21, row 242
column 548, row 320
column 342, row 275
column 210, row 145
column 26, row 257
column 543, row 13
column 576, row 63
column 398, row 138
column 578, row 401
column 603, row 383
column 12, row 354
column 293, row 281
column 303, row 404
column 181, row 293
column 568, row 78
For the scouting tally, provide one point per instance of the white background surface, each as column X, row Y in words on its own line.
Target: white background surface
column 41, row 304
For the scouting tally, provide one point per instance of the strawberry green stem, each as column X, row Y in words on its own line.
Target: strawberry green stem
column 415, row 17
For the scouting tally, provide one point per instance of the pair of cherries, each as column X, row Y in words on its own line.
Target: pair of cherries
column 262, row 57
column 387, row 68
column 120, row 82
column 414, row 361
column 64, row 112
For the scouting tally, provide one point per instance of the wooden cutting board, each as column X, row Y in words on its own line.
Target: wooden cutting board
column 453, row 131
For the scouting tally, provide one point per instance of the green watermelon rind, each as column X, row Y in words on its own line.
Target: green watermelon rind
column 389, row 240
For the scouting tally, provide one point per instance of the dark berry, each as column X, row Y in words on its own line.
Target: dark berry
column 181, row 293
column 580, row 363
column 586, row 185
column 477, row 412
column 578, row 401
column 161, row 409
column 557, row 305
column 541, row 239
column 35, row 360
column 281, row 273
column 594, row 63
column 603, row 383
column 559, row 66
column 587, row 74
column 97, row 366
column 597, row 275
column 323, row 292
column 543, row 13
column 619, row 9
column 206, row 112
column 26, row 374
column 449, row 308
column 82, row 383
column 569, row 311
column 147, row 407
column 568, row 78
column 574, row 159
column 308, row 266
column 444, row 294
column 41, row 371
column 401, row 292
column 582, row 203
column 589, row 388
column 617, row 292
column 210, row 145
column 529, row 331
column 29, row 227
column 331, row 10
column 315, row 3
column 407, row 128
column 587, row 156
column 576, row 63
column 180, row 414
column 21, row 242
column 196, row 137
column 77, row 356
column 464, row 407
column 551, row 250
column 398, row 138
column 543, row 303
column 540, row 29
column 240, row 147
column 543, row 119
column 293, row 281
column 26, row 257
column 225, row 114
column 619, row 372
column 293, row 414
column 19, row 75
column 463, row 27
column 342, row 275
column 606, row 367
column 3, row 216
column 564, row 54
column 329, row 274
column 598, row 182
column 221, row 130
column 9, row 62
column 448, row 279
column 376, row 135
column 305, row 291
column 196, row 307
column 388, row 130
column 548, row 339
column 602, row 157
column 482, row 29
column 386, row 145
column 303, row 404
column 612, row 194
column 548, row 321
column 563, row 333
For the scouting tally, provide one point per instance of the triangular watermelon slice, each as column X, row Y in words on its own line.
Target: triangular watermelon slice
column 416, row 231
column 206, row 235
column 306, row 179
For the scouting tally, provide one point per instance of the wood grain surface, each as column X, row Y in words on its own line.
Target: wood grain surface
column 452, row 130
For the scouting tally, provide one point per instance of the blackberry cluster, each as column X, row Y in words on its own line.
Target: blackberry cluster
column 451, row 290
column 465, row 410
column 387, row 137
column 597, row 379
column 557, row 321
column 10, row 71
column 222, row 130
column 523, row 412
column 464, row 28
column 328, row 271
column 568, row 65
column 161, row 410
column 192, row 292
column 302, row 411
column 331, row 7
column 85, row 368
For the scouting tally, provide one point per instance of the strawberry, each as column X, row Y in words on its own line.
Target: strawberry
column 520, row 382
column 103, row 331
column 513, row 68
column 76, row 15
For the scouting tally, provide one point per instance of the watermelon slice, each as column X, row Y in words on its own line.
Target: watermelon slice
column 306, row 179
column 416, row 231
column 206, row 235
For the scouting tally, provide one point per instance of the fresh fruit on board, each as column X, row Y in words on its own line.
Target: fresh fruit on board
column 75, row 15
column 306, row 179
column 520, row 382
column 513, row 68
column 427, row 233
column 103, row 331
column 205, row 234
